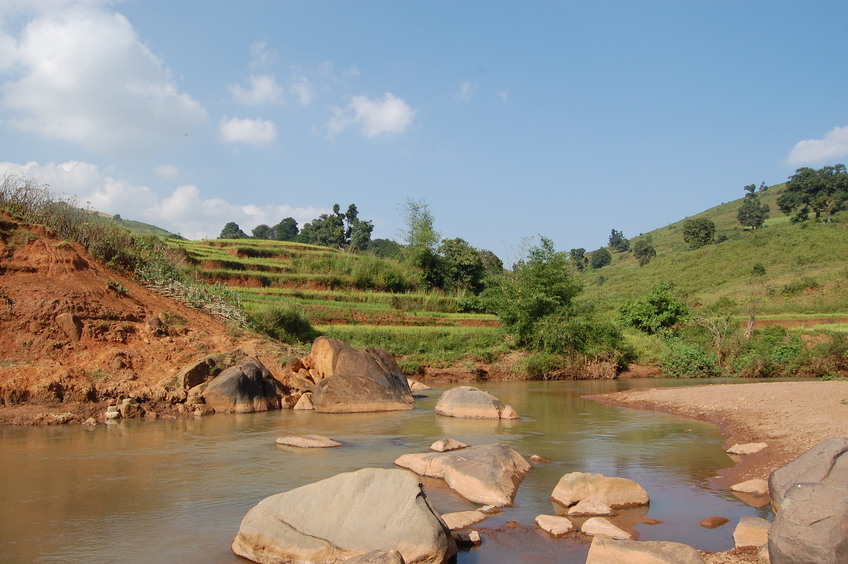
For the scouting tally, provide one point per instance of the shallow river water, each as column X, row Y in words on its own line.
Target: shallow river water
column 176, row 490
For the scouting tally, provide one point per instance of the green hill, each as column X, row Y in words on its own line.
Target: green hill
column 806, row 265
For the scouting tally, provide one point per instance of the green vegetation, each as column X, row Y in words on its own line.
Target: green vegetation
column 669, row 297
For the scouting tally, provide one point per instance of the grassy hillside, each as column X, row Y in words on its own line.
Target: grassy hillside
column 806, row 265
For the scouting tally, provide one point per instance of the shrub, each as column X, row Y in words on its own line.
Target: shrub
column 688, row 360
column 284, row 323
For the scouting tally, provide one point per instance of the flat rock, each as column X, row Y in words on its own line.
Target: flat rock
column 600, row 526
column 344, row 516
column 473, row 403
column 757, row 486
column 447, row 445
column 462, row 519
column 487, row 474
column 747, row 448
column 417, row 386
column 605, row 550
column 751, row 531
column 467, row 538
column 308, row 441
column 617, row 493
column 554, row 525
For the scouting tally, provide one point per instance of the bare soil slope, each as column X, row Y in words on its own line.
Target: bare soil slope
column 75, row 334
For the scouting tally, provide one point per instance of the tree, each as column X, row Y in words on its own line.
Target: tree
column 542, row 285
column 422, row 241
column 644, row 251
column 462, row 266
column 492, row 264
column 600, row 258
column 752, row 213
column 232, row 231
column 618, row 242
column 698, row 232
column 660, row 310
column 262, row 231
column 338, row 230
column 286, row 230
column 823, row 191
column 579, row 259
column 385, row 248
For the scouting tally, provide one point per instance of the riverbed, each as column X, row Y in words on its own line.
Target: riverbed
column 176, row 490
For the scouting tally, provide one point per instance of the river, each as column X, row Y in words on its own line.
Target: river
column 176, row 490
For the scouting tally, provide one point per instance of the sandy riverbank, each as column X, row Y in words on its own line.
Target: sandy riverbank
column 789, row 416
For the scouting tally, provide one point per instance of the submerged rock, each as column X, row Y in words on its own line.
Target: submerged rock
column 616, row 493
column 348, row 515
column 473, row 403
column 308, row 441
column 488, row 474
column 554, row 525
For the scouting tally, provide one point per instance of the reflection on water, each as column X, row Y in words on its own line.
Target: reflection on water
column 176, row 491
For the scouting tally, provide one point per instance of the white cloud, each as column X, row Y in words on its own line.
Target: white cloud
column 167, row 171
column 263, row 90
column 465, row 90
column 503, row 95
column 833, row 146
column 302, row 88
column 182, row 211
column 254, row 131
column 83, row 75
column 376, row 117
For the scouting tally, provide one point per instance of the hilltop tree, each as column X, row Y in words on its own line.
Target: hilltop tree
column 698, row 232
column 644, row 251
column 600, row 258
column 579, row 259
column 286, row 230
column 338, row 230
column 262, row 231
column 232, row 231
column 823, row 191
column 618, row 242
column 492, row 264
column 385, row 248
column 462, row 265
column 752, row 213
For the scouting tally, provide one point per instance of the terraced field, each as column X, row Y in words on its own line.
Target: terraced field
column 364, row 300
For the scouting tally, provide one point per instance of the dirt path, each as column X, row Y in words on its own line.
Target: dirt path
column 789, row 416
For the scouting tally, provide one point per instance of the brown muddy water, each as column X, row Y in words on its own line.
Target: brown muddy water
column 176, row 491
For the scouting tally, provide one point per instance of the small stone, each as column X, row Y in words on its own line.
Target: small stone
column 90, row 421
column 539, row 459
column 757, row 486
column 490, row 509
column 308, row 441
column 747, row 448
column 446, row 445
column 554, row 525
column 600, row 526
column 751, row 531
column 650, row 521
column 713, row 522
column 467, row 538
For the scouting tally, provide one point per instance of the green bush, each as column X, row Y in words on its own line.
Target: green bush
column 688, row 360
column 284, row 323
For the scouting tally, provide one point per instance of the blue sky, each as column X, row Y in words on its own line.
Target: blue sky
column 511, row 119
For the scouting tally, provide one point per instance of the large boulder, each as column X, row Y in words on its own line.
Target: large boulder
column 810, row 496
column 597, row 489
column 825, row 463
column 348, row 515
column 605, row 550
column 346, row 380
column 487, row 474
column 244, row 388
column 473, row 403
